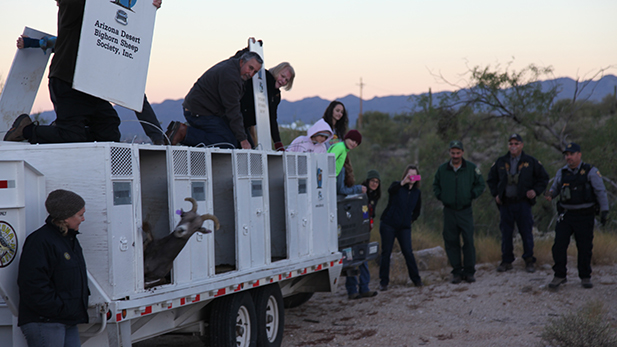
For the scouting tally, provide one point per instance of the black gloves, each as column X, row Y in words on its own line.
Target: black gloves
column 603, row 217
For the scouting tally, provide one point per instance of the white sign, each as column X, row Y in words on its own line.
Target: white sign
column 23, row 81
column 260, row 88
column 114, row 51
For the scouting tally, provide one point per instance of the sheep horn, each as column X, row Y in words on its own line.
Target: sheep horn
column 194, row 209
column 213, row 218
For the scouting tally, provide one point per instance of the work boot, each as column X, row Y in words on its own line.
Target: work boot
column 368, row 294
column 469, row 278
column 353, row 296
column 383, row 288
column 417, row 283
column 456, row 279
column 586, row 282
column 16, row 132
column 176, row 132
column 529, row 266
column 503, row 267
column 556, row 282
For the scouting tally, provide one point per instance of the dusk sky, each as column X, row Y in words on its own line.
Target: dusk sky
column 394, row 46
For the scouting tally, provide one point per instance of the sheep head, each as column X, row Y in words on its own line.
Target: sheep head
column 191, row 222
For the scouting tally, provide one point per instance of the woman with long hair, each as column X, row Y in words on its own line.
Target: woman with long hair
column 336, row 117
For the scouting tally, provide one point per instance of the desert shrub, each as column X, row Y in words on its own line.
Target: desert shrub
column 588, row 327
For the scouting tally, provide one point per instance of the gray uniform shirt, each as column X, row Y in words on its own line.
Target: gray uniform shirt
column 594, row 178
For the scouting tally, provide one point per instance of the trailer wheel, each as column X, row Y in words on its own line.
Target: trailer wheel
column 233, row 321
column 270, row 315
column 297, row 299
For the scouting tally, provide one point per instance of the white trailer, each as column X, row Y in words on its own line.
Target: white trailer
column 278, row 235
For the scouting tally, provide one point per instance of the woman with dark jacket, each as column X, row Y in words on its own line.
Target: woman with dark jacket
column 404, row 204
column 52, row 279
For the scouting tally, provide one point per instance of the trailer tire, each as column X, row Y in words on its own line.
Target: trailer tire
column 268, row 302
column 233, row 321
column 297, row 299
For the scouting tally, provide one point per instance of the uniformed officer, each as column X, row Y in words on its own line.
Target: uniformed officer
column 582, row 194
column 456, row 184
column 515, row 180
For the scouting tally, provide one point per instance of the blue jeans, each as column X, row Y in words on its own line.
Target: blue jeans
column 210, row 131
column 519, row 213
column 352, row 281
column 388, row 234
column 51, row 335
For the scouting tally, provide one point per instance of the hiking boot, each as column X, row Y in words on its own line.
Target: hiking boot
column 353, row 296
column 176, row 132
column 456, row 279
column 368, row 294
column 557, row 281
column 16, row 132
column 586, row 282
column 503, row 267
column 383, row 288
column 530, row 267
column 469, row 278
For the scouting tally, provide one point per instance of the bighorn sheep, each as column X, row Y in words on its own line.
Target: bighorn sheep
column 159, row 254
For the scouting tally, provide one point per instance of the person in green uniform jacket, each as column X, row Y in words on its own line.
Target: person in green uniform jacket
column 457, row 183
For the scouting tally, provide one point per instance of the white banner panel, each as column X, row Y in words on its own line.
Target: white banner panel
column 260, row 88
column 114, row 50
column 23, row 81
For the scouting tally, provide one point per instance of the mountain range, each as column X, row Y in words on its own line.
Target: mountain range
column 309, row 110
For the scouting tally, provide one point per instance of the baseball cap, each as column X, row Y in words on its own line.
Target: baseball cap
column 457, row 144
column 572, row 147
column 516, row 137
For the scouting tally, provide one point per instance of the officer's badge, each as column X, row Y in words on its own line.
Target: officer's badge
column 599, row 174
column 526, row 164
column 67, row 256
column 583, row 171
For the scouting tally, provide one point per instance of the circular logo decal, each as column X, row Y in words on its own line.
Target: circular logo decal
column 8, row 244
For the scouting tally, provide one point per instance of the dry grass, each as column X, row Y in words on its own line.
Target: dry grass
column 488, row 249
column 604, row 248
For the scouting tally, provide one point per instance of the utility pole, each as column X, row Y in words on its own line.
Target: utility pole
column 359, row 122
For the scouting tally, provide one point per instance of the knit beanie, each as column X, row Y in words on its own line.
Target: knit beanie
column 62, row 204
column 372, row 174
column 354, row 135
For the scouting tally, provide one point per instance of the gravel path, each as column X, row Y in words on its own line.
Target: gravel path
column 500, row 309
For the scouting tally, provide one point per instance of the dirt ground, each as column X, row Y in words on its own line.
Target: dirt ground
column 500, row 309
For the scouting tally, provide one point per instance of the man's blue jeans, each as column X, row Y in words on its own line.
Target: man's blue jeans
column 519, row 213
column 352, row 281
column 209, row 131
column 51, row 335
